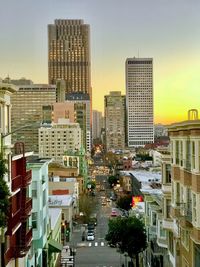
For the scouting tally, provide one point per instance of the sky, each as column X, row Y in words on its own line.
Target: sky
column 166, row 30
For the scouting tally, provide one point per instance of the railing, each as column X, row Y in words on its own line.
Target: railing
column 13, row 221
column 27, row 179
column 26, row 211
column 16, row 182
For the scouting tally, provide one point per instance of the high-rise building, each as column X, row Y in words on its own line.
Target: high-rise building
column 27, row 110
column 114, row 106
column 97, row 124
column 69, row 54
column 139, row 101
column 82, row 115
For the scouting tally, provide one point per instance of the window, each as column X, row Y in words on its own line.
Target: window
column 194, row 207
column 185, row 238
column 168, row 206
column 34, row 193
column 168, row 173
column 171, row 243
column 44, row 198
column 34, row 220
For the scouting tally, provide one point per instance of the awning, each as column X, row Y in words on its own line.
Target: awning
column 54, row 246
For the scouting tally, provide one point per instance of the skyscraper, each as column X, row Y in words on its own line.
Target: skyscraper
column 139, row 101
column 114, row 112
column 69, row 54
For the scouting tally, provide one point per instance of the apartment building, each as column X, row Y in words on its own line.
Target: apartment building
column 16, row 238
column 57, row 138
column 184, row 238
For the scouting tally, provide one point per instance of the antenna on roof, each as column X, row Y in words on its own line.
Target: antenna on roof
column 138, row 53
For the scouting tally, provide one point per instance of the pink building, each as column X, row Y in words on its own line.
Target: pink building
column 63, row 110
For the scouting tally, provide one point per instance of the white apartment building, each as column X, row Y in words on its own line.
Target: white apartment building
column 139, row 101
column 57, row 138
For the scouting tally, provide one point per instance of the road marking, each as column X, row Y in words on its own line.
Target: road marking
column 102, row 244
column 90, row 244
column 96, row 244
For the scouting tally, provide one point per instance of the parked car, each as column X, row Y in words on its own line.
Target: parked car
column 90, row 236
column 114, row 213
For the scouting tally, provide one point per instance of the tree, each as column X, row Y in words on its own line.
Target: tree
column 87, row 207
column 112, row 180
column 128, row 235
column 4, row 194
column 124, row 202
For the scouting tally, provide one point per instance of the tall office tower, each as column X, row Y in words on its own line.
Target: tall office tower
column 97, row 124
column 69, row 54
column 139, row 101
column 82, row 115
column 27, row 112
column 114, row 112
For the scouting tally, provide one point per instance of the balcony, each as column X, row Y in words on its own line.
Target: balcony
column 9, row 254
column 24, row 244
column 14, row 222
column 16, row 183
column 26, row 210
column 27, row 179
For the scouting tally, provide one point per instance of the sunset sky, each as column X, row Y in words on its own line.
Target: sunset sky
column 167, row 30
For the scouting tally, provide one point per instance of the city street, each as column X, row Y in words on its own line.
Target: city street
column 96, row 253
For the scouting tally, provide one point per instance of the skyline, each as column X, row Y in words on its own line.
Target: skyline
column 168, row 33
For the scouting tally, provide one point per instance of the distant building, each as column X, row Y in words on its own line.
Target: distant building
column 160, row 130
column 69, row 54
column 27, row 110
column 82, row 115
column 139, row 101
column 114, row 111
column 18, row 82
column 57, row 138
column 97, row 124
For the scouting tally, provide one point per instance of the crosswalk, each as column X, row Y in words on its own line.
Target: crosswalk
column 91, row 244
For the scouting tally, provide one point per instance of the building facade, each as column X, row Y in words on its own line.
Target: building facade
column 57, row 138
column 40, row 211
column 97, row 124
column 184, row 239
column 114, row 112
column 139, row 101
column 69, row 54
column 27, row 110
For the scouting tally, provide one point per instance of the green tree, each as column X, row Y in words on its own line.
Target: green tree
column 4, row 194
column 87, row 207
column 124, row 202
column 128, row 234
column 112, row 180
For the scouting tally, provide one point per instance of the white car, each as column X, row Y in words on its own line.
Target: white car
column 90, row 237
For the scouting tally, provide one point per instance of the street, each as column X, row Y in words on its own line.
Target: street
column 96, row 253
